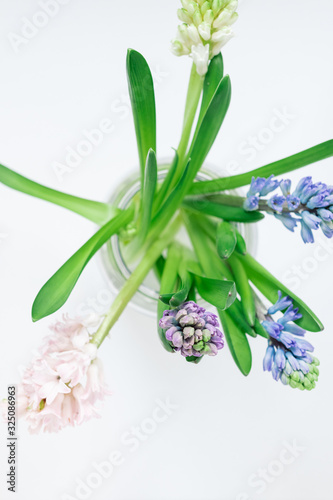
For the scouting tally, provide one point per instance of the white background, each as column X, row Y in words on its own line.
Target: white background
column 65, row 80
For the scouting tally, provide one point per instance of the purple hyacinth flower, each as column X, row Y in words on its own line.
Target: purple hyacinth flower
column 251, row 203
column 192, row 330
column 281, row 304
column 306, row 233
column 276, row 203
column 287, row 220
column 257, row 184
column 270, row 185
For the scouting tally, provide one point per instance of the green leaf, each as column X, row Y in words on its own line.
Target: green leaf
column 165, row 298
column 243, row 288
column 168, row 282
column 171, row 203
column 237, row 342
column 225, row 240
column 209, row 128
column 181, row 294
column 185, row 286
column 299, row 160
column 95, row 211
column 205, row 248
column 236, row 312
column 219, row 293
column 269, row 286
column 58, row 288
column 225, row 212
column 164, row 190
column 213, row 78
column 240, row 245
column 159, row 267
column 141, row 90
column 149, row 188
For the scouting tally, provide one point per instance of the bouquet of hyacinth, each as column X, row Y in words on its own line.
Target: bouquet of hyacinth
column 211, row 289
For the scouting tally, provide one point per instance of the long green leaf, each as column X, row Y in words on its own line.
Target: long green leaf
column 95, row 211
column 171, row 203
column 237, row 342
column 299, row 160
column 141, row 90
column 209, row 128
column 149, row 188
column 58, row 288
column 213, row 78
column 269, row 286
column 225, row 212
column 243, row 288
column 164, row 190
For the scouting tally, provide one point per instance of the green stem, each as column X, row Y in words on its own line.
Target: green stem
column 135, row 280
column 192, row 100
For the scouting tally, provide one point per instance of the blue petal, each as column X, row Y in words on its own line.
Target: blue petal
column 285, row 186
column 251, row 203
column 306, row 233
column 311, row 220
column 303, row 183
column 276, row 202
column 270, row 185
column 328, row 232
column 269, row 358
column 256, row 185
column 281, row 304
column 287, row 220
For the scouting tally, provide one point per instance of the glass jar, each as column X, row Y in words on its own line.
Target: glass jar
column 114, row 266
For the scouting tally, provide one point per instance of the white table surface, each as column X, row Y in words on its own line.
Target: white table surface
column 224, row 430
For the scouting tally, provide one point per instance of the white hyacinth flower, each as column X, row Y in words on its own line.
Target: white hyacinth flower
column 205, row 30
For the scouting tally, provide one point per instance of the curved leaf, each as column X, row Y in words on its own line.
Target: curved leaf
column 219, row 293
column 209, row 128
column 149, row 188
column 58, row 288
column 244, row 289
column 212, row 80
column 237, row 342
column 95, row 211
column 141, row 90
column 235, row 214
